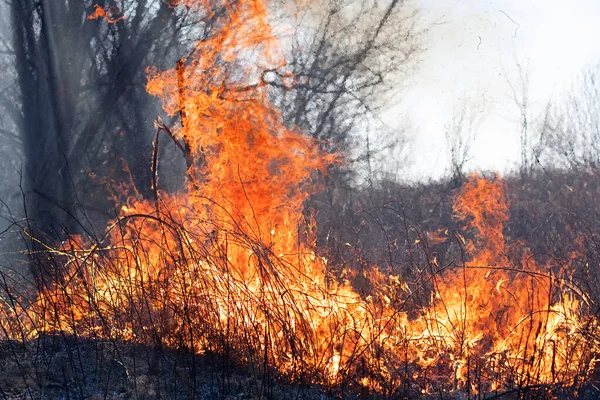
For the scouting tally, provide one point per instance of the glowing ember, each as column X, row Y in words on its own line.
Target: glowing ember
column 221, row 267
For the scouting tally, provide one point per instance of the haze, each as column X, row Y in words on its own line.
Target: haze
column 470, row 55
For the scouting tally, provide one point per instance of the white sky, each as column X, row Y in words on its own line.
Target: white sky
column 555, row 38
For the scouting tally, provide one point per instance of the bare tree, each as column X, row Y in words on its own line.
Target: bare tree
column 79, row 105
column 10, row 140
column 80, row 110
column 346, row 59
column 461, row 133
column 520, row 95
column 572, row 125
column 534, row 123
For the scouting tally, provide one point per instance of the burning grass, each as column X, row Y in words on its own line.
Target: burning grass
column 229, row 266
column 164, row 279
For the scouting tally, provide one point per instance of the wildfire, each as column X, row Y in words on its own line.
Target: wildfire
column 221, row 266
column 109, row 13
column 515, row 317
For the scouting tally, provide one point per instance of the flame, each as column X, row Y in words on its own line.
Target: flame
column 109, row 13
column 516, row 318
column 229, row 264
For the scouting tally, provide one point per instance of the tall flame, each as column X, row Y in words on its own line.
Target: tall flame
column 517, row 318
column 228, row 264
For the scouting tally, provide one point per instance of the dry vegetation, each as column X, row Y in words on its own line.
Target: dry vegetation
column 161, row 308
column 249, row 276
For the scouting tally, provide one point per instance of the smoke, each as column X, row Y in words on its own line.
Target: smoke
column 11, row 156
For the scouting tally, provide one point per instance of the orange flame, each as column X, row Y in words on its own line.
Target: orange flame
column 223, row 264
column 109, row 13
column 515, row 317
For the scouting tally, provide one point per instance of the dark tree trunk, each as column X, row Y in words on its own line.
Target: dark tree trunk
column 83, row 110
column 44, row 129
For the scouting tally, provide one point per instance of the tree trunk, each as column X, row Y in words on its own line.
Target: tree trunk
column 44, row 130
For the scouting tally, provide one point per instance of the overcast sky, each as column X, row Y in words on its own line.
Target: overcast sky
column 471, row 51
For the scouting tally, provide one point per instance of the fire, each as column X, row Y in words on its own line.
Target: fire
column 516, row 318
column 109, row 13
column 229, row 265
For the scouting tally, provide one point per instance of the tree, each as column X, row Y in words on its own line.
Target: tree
column 533, row 122
column 82, row 112
column 10, row 140
column 460, row 134
column 43, row 108
column 572, row 126
column 80, row 104
column 347, row 59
